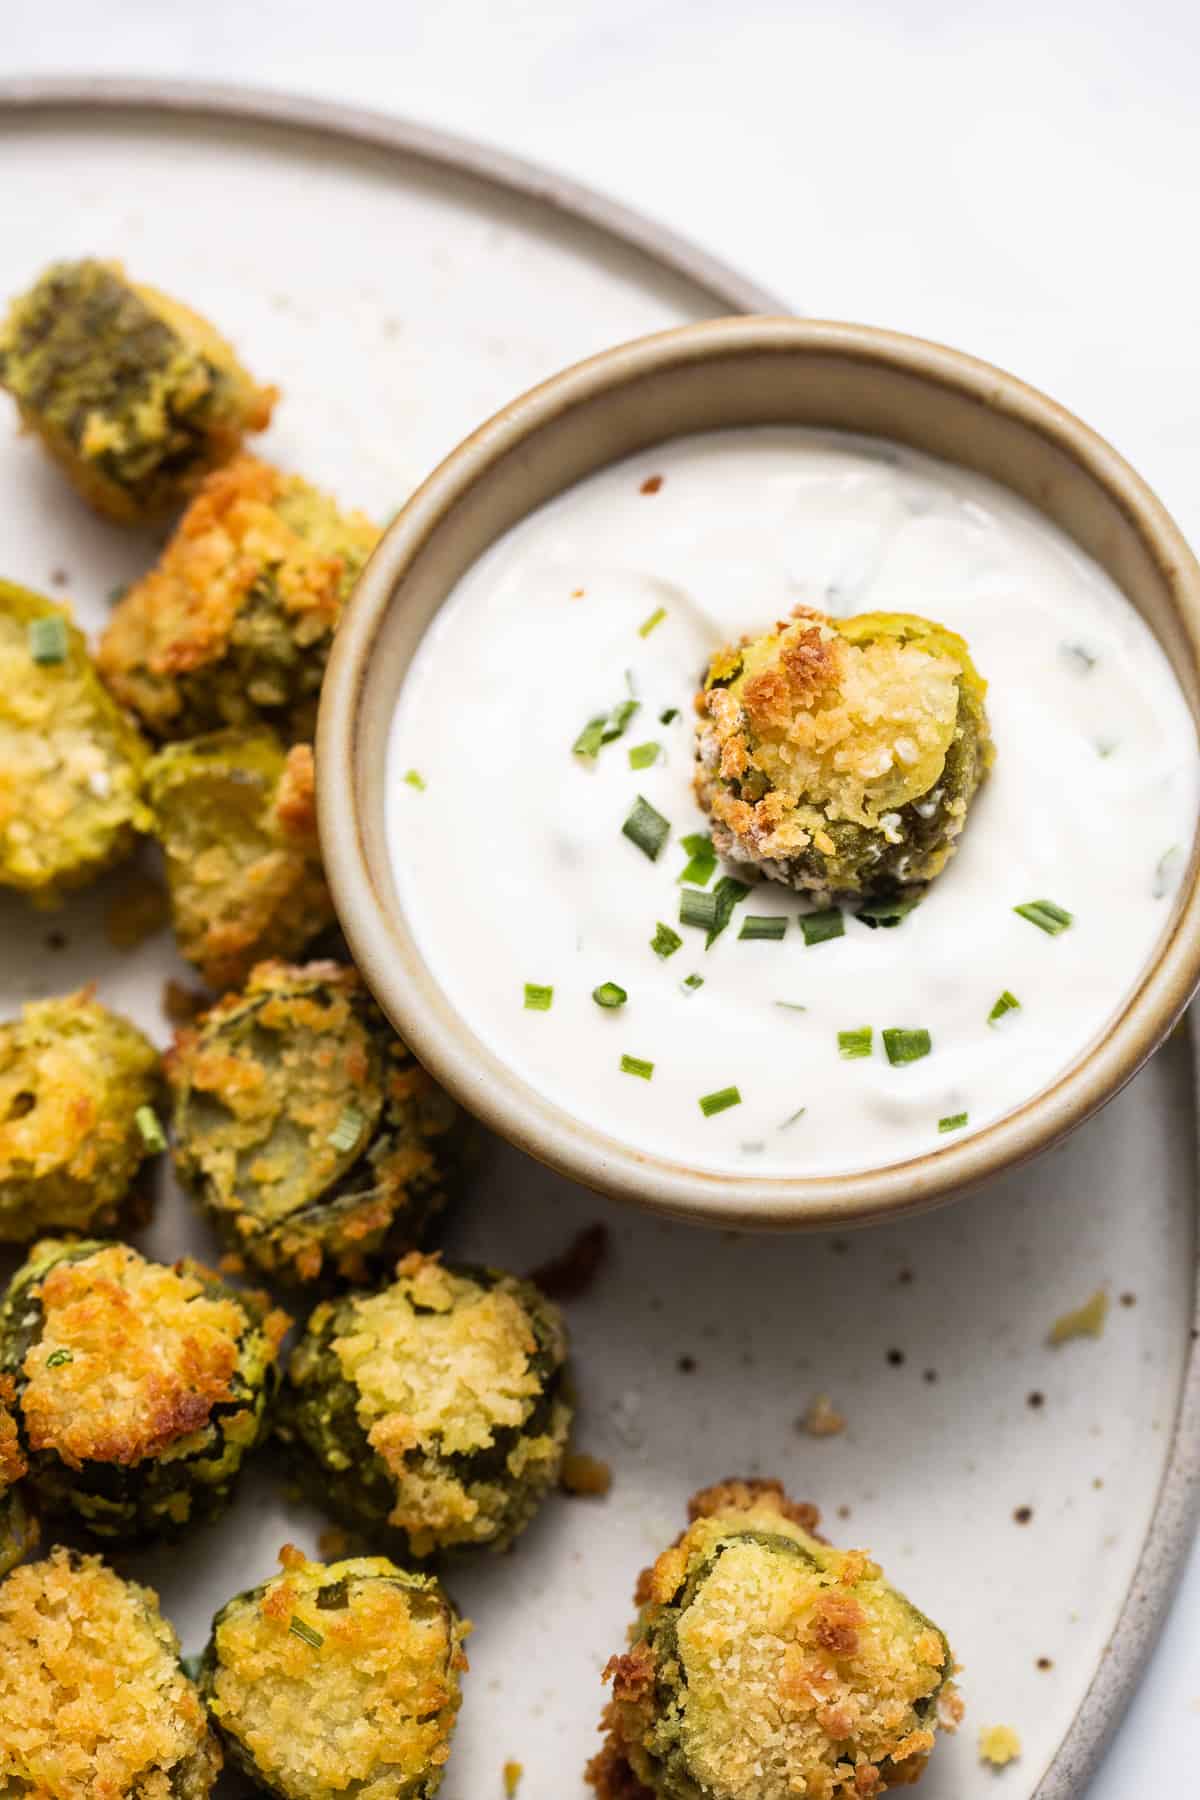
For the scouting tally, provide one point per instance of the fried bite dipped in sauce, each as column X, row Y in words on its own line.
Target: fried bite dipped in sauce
column 434, row 1409
column 134, row 395
column 841, row 755
column 235, row 813
column 234, row 623
column 766, row 1664
column 339, row 1677
column 306, row 1129
column 80, row 1092
column 71, row 761
column 93, row 1699
column 139, row 1389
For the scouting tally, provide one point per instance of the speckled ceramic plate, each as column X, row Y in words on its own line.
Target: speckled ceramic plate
column 400, row 286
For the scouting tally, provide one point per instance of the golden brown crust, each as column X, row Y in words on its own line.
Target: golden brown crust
column 12, row 1462
column 739, row 1493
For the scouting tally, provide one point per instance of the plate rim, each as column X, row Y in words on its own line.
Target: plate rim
column 1176, row 1510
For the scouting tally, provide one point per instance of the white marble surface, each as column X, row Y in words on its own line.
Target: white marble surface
column 1017, row 179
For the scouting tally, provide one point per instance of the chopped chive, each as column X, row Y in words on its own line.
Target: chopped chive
column 691, row 982
column 609, row 994
column 665, row 942
column 1046, row 916
column 646, row 828
column 605, row 728
column 415, row 779
column 656, row 618
column 727, row 893
column 620, row 716
column 853, row 1044
column 153, row 1136
column 643, row 756
column 538, row 998
column 1005, row 1003
column 953, row 1122
column 820, row 927
column 757, row 925
column 669, row 716
column 348, row 1129
column 1105, row 746
column 590, row 738
column 702, row 858
column 1079, row 656
column 905, row 1046
column 790, row 1005
column 886, row 913
column 698, row 908
column 299, row 1628
column 48, row 639
column 798, row 1114
column 1164, row 874
column 57, row 1358
column 719, row 1102
column 635, row 1065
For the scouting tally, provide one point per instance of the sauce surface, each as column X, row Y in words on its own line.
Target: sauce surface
column 512, row 867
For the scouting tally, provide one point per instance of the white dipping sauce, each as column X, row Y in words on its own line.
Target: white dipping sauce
column 512, row 867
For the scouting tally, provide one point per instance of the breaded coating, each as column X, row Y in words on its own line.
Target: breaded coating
column 436, row 1407
column 140, row 1388
column 306, row 1129
column 233, row 625
column 133, row 394
column 765, row 1664
column 78, row 1086
column 93, row 1702
column 236, row 816
column 337, row 1677
column 841, row 755
column 71, row 761
column 18, row 1529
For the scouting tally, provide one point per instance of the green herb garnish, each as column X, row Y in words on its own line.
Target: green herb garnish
column 348, row 1129
column 48, row 639
column 698, row 908
column 886, row 913
column 790, row 1005
column 646, row 828
column 605, row 728
column 758, row 925
column 656, row 618
column 702, row 858
column 415, row 779
column 727, row 893
column 635, row 1065
column 719, row 1102
column 820, row 927
column 1046, row 916
column 57, row 1358
column 299, row 1628
column 798, row 1114
column 669, row 716
column 905, row 1046
column 538, row 998
column 644, row 756
column 1006, row 1003
column 954, row 1122
column 1080, row 656
column 191, row 1665
column 609, row 994
column 691, row 982
column 665, row 942
column 147, row 1122
column 853, row 1044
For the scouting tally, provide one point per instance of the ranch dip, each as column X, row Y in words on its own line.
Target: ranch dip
column 517, row 878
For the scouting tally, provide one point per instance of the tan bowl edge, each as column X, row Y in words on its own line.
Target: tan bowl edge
column 725, row 373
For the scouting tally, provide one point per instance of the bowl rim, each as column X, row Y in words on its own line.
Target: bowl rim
column 501, row 1098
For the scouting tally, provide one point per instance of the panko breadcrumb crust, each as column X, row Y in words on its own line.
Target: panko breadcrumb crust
column 434, row 1409
column 335, row 1677
column 305, row 1127
column 139, row 1387
column 73, row 1078
column 71, row 761
column 94, row 1704
column 765, row 1664
column 18, row 1529
column 235, row 813
column 841, row 755
column 234, row 623
column 134, row 395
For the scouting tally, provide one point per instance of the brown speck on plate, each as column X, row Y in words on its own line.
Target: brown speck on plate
column 930, row 1376
column 1023, row 1514
column 686, row 1365
column 1036, row 1400
column 843, row 1512
column 904, row 1278
column 59, row 578
column 1044, row 1662
column 56, row 940
column 895, row 1357
column 1128, row 1299
column 839, row 1246
column 570, row 1275
column 651, row 484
